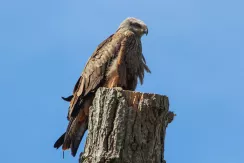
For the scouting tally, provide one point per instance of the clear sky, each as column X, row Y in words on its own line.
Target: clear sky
column 195, row 50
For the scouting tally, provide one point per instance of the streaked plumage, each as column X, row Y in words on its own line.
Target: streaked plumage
column 117, row 62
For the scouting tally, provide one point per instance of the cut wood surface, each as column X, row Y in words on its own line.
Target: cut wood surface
column 126, row 127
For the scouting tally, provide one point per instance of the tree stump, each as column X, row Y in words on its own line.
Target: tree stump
column 126, row 127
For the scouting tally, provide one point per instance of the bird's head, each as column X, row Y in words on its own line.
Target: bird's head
column 135, row 25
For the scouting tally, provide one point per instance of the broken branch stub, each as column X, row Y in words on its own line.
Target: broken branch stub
column 126, row 127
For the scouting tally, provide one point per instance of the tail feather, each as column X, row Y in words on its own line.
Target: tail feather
column 78, row 137
column 60, row 141
column 78, row 124
column 75, row 133
column 67, row 138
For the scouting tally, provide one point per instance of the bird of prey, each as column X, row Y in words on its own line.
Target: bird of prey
column 117, row 62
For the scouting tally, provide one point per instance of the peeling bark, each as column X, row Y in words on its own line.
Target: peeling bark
column 126, row 127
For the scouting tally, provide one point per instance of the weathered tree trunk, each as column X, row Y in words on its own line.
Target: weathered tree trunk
column 126, row 127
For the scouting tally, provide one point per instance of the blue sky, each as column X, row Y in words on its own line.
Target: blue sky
column 194, row 49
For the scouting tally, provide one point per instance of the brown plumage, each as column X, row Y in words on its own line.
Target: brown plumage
column 117, row 62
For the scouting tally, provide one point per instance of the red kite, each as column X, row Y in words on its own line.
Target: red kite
column 117, row 62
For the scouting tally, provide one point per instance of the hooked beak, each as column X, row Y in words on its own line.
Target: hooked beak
column 146, row 30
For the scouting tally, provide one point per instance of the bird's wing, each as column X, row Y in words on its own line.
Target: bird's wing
column 92, row 77
column 94, row 72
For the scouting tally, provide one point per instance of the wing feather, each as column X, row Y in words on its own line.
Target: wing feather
column 92, row 77
column 94, row 72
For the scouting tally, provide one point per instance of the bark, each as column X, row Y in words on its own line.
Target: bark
column 126, row 127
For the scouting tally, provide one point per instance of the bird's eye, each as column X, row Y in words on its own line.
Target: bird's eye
column 137, row 25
